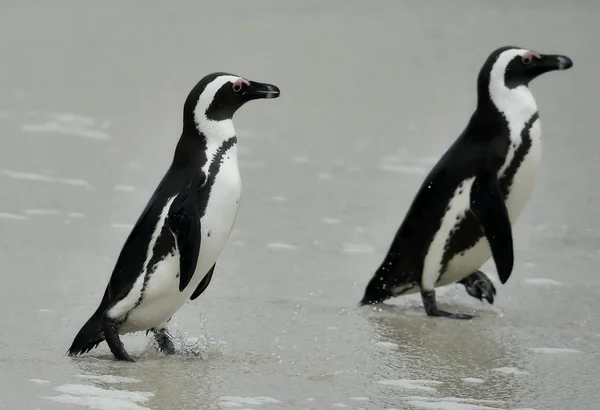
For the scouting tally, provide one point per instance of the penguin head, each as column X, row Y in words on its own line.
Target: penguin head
column 217, row 97
column 515, row 66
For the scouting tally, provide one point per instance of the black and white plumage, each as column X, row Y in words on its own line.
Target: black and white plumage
column 171, row 252
column 464, row 211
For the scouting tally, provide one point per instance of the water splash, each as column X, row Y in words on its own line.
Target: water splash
column 203, row 347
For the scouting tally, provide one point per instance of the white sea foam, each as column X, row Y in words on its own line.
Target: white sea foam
column 74, row 182
column 32, row 176
column 124, row 188
column 447, row 405
column 97, row 402
column 230, row 404
column 411, row 384
column 280, row 245
column 257, row 401
column 101, row 399
column 554, row 350
column 107, row 378
column 39, row 381
column 473, row 380
column 452, row 403
column 87, row 390
column 300, row 159
column 358, row 248
column 325, row 176
column 121, row 226
column 7, row 215
column 41, row 212
column 542, row 281
column 387, row 345
column 510, row 370
column 70, row 124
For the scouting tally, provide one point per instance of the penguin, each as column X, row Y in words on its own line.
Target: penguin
column 464, row 210
column 170, row 254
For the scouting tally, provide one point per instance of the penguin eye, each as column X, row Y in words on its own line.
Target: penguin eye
column 238, row 84
column 526, row 60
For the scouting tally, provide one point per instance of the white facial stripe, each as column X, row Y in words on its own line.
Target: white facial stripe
column 208, row 95
column 499, row 67
column 516, row 104
column 215, row 131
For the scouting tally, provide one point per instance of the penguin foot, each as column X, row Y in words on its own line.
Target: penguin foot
column 479, row 286
column 431, row 308
column 113, row 340
column 165, row 344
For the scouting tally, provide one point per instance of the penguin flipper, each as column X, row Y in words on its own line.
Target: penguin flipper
column 487, row 203
column 203, row 283
column 185, row 225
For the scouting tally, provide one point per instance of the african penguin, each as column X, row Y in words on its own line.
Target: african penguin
column 171, row 252
column 463, row 211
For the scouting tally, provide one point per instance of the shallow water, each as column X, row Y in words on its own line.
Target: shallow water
column 372, row 94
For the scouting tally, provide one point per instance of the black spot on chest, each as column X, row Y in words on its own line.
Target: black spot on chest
column 213, row 171
column 508, row 178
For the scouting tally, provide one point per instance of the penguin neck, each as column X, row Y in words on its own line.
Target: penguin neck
column 501, row 107
column 515, row 104
column 200, row 142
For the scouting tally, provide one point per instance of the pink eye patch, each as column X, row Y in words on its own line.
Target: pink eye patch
column 239, row 82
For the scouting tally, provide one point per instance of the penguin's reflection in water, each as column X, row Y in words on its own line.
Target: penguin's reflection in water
column 443, row 359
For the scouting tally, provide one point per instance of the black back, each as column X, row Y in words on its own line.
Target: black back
column 472, row 152
column 184, row 171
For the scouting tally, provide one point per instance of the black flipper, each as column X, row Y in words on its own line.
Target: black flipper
column 185, row 225
column 430, row 304
column 114, row 341
column 203, row 283
column 487, row 203
column 479, row 286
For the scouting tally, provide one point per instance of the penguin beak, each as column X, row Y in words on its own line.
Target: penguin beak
column 555, row 62
column 549, row 62
column 258, row 90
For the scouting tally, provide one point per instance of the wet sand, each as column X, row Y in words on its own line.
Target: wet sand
column 372, row 95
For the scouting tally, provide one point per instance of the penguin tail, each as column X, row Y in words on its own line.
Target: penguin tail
column 389, row 281
column 376, row 291
column 88, row 338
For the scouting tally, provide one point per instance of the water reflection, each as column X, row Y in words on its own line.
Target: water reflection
column 443, row 361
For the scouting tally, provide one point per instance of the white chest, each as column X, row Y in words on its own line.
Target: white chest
column 527, row 172
column 219, row 216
